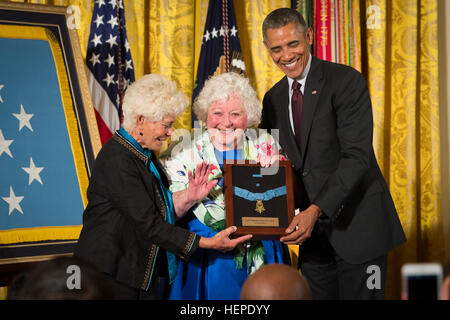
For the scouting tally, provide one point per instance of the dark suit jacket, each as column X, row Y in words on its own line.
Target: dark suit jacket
column 124, row 231
column 337, row 163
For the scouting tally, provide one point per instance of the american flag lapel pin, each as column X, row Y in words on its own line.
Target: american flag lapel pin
column 314, row 92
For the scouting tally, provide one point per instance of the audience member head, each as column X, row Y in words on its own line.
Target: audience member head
column 276, row 282
column 65, row 278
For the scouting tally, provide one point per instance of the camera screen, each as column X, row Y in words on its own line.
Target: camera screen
column 423, row 287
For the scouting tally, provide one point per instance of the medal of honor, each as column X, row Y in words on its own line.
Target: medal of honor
column 259, row 197
column 258, row 202
column 259, row 206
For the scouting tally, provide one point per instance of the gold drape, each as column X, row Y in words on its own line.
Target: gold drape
column 249, row 18
column 402, row 57
column 403, row 82
column 165, row 38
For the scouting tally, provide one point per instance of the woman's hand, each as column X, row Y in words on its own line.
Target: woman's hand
column 199, row 186
column 222, row 242
column 197, row 190
column 267, row 160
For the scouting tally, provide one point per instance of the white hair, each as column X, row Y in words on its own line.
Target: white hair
column 154, row 97
column 220, row 88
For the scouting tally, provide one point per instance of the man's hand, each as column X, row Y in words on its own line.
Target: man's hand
column 305, row 222
column 222, row 242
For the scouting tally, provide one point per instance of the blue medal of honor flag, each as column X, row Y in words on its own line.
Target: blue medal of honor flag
column 38, row 178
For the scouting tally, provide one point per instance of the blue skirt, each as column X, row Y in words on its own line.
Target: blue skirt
column 212, row 275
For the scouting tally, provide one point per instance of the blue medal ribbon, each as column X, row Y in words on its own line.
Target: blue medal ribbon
column 264, row 196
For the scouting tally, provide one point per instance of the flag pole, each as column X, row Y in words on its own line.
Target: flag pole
column 119, row 63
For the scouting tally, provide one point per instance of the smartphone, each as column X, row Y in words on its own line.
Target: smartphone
column 421, row 281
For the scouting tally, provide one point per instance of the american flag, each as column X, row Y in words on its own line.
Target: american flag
column 109, row 61
column 221, row 49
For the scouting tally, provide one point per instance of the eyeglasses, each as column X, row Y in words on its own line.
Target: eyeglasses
column 167, row 126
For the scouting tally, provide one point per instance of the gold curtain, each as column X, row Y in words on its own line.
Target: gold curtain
column 165, row 38
column 403, row 81
column 402, row 60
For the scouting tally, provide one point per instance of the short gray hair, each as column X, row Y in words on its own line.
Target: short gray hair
column 154, row 97
column 220, row 88
column 280, row 17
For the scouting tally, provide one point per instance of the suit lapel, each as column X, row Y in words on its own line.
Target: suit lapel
column 313, row 89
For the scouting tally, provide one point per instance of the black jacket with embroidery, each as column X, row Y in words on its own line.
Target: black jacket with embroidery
column 124, row 231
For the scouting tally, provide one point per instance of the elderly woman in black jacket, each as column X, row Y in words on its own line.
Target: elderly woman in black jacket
column 128, row 225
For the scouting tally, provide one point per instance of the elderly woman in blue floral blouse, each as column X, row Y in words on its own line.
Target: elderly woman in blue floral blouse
column 229, row 107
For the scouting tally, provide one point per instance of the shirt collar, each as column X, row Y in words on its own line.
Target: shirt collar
column 133, row 143
column 304, row 75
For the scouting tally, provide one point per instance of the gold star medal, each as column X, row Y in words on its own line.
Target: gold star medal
column 259, row 206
